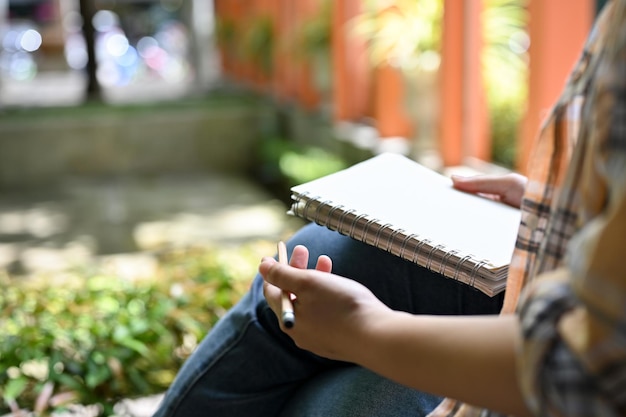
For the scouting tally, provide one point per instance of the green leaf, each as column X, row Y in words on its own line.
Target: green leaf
column 97, row 375
column 138, row 380
column 14, row 388
column 135, row 345
column 70, row 382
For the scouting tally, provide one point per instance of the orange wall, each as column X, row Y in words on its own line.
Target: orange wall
column 558, row 29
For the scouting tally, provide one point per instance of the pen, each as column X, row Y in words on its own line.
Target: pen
column 288, row 316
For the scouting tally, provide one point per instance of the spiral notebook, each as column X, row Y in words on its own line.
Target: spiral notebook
column 398, row 205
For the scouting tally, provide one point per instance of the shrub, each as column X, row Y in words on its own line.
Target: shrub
column 96, row 338
column 505, row 64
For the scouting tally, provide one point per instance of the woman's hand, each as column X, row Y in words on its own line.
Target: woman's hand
column 508, row 188
column 331, row 311
column 471, row 358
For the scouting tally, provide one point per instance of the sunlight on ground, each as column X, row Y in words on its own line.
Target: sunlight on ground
column 239, row 222
column 122, row 223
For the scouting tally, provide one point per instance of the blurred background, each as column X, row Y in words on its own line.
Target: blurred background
column 145, row 46
column 147, row 148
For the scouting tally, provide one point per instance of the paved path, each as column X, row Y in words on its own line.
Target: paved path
column 123, row 221
column 55, row 229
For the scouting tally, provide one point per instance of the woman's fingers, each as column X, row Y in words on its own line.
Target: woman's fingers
column 299, row 257
column 484, row 184
column 279, row 279
column 508, row 189
column 271, row 292
column 324, row 264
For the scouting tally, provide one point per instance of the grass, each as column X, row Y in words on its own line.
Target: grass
column 88, row 337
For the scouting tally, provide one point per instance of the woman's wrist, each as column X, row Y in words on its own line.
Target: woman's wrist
column 371, row 337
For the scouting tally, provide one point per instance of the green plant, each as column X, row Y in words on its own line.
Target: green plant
column 406, row 34
column 225, row 32
column 402, row 33
column 291, row 163
column 505, row 70
column 313, row 37
column 307, row 164
column 258, row 43
column 311, row 43
column 95, row 339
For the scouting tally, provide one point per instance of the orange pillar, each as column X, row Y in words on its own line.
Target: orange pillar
column 451, row 84
column 350, row 65
column 307, row 94
column 285, row 72
column 273, row 12
column 265, row 9
column 241, row 14
column 463, row 113
column 389, row 97
column 558, row 29
column 476, row 131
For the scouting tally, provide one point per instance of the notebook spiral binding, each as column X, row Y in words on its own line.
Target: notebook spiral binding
column 418, row 249
column 423, row 253
column 475, row 269
column 393, row 238
column 318, row 212
column 459, row 265
column 354, row 222
column 445, row 260
column 306, row 208
column 330, row 213
column 367, row 226
column 379, row 232
column 404, row 245
column 430, row 255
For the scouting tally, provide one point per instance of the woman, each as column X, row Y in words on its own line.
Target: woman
column 557, row 348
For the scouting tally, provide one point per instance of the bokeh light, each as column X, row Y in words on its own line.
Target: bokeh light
column 144, row 44
column 19, row 43
column 30, row 40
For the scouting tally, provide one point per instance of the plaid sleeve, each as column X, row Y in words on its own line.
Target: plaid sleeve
column 573, row 354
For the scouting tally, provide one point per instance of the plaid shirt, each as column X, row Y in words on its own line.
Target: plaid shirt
column 567, row 270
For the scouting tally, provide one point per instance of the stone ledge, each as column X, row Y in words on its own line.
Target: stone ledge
column 42, row 146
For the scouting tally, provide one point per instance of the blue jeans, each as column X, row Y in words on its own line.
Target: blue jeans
column 246, row 366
